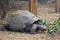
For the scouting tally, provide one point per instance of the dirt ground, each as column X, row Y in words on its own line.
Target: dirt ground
column 45, row 12
column 5, row 35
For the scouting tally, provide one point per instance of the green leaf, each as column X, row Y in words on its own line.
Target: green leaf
column 53, row 29
column 50, row 31
column 42, row 21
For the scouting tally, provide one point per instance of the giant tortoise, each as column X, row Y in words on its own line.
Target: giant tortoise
column 23, row 21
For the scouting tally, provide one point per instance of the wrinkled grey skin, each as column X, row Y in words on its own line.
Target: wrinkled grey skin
column 37, row 27
column 23, row 20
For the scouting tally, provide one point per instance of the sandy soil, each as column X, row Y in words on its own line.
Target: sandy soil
column 5, row 35
column 44, row 12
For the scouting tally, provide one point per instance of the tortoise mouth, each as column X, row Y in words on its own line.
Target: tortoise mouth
column 44, row 29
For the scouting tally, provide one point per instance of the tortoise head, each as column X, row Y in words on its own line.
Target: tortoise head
column 41, row 28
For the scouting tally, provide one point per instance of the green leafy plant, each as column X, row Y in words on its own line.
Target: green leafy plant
column 42, row 21
column 58, row 21
column 55, row 27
